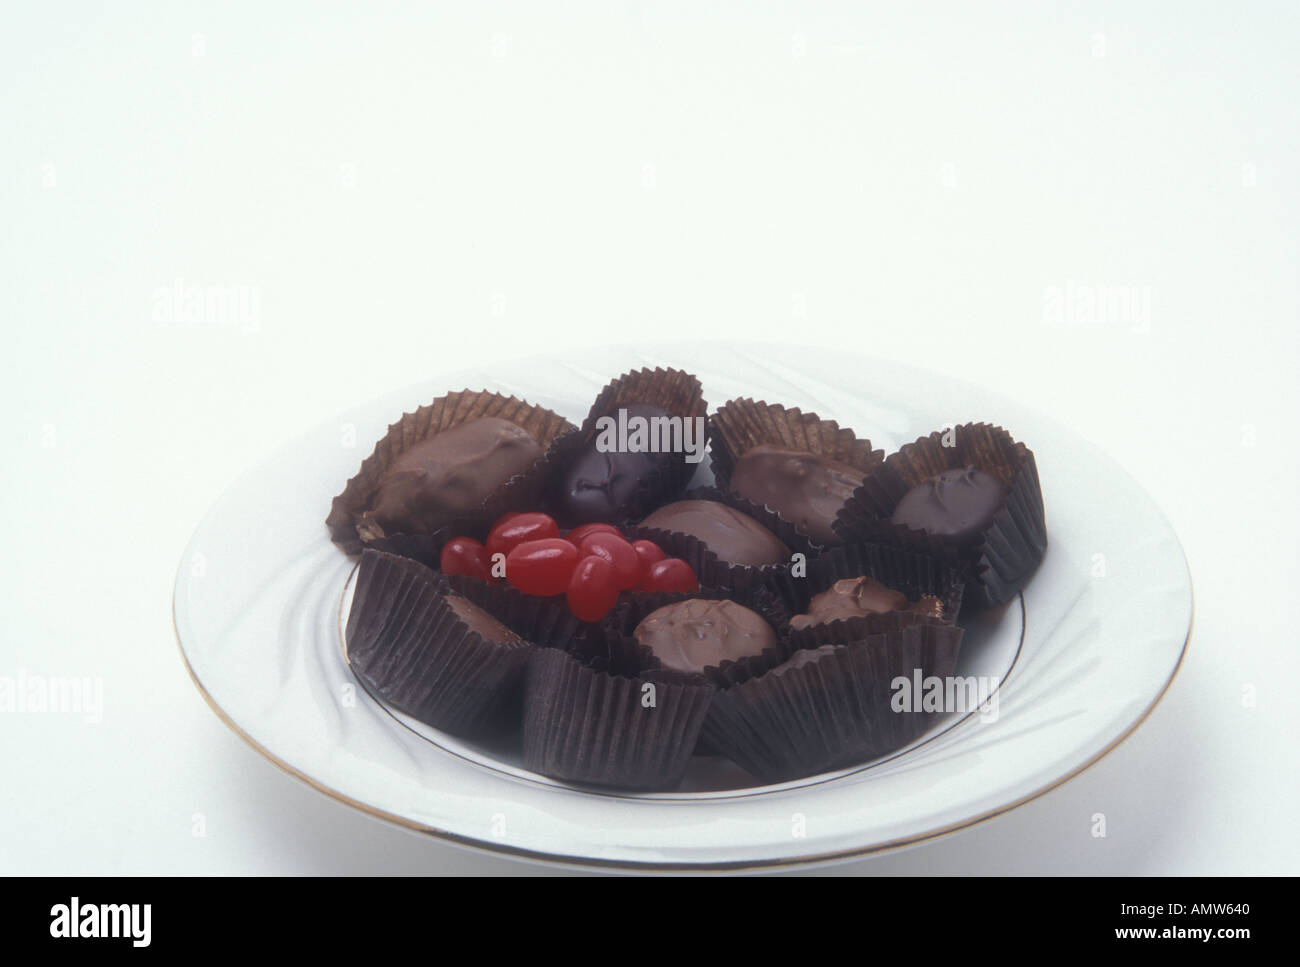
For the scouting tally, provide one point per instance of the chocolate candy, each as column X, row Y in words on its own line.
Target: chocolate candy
column 733, row 536
column 692, row 635
column 805, row 489
column 476, row 619
column 955, row 505
column 451, row 474
column 854, row 597
column 599, row 484
column 928, row 605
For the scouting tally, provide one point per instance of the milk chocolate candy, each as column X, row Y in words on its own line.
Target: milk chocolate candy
column 690, row 636
column 734, row 537
column 450, row 475
column 797, row 464
column 854, row 597
column 461, row 460
column 806, row 489
column 852, row 580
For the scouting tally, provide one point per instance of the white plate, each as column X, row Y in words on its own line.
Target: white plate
column 1082, row 656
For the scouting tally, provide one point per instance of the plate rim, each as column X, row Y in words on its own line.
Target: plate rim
column 593, row 863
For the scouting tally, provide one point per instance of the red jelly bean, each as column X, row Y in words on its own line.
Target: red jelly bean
column 502, row 519
column 671, row 574
column 627, row 566
column 513, row 529
column 580, row 534
column 649, row 552
column 593, row 589
column 464, row 555
column 542, row 567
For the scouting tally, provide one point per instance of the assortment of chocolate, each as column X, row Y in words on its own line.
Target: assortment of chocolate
column 523, row 576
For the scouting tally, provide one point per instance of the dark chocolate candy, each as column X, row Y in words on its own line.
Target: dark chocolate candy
column 476, row 619
column 805, row 489
column 854, row 597
column 598, row 485
column 692, row 635
column 955, row 505
column 735, row 537
column 451, row 474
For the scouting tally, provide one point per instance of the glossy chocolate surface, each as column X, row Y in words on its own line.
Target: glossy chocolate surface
column 690, row 636
column 598, row 485
column 451, row 474
column 805, row 489
column 955, row 505
column 735, row 537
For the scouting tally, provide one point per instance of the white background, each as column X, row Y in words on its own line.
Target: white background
column 404, row 192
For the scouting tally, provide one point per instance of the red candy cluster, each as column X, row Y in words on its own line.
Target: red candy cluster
column 590, row 564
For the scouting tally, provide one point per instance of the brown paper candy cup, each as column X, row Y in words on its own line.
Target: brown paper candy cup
column 616, row 641
column 910, row 572
column 406, row 643
column 545, row 622
column 742, row 424
column 351, row 528
column 590, row 723
column 829, row 706
column 675, row 391
column 1000, row 560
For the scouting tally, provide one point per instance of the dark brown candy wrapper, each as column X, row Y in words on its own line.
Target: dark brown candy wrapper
column 544, row 622
column 828, row 706
column 408, row 644
column 997, row 562
column 588, row 724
